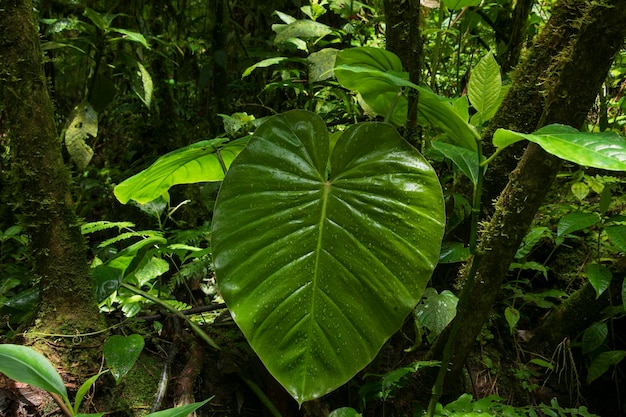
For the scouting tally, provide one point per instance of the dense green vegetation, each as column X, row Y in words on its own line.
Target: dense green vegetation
column 312, row 208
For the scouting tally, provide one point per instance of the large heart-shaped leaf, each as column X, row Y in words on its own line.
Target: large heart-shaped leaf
column 376, row 74
column 320, row 256
column 202, row 161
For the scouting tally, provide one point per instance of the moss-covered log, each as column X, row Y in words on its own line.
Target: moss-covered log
column 571, row 79
column 41, row 182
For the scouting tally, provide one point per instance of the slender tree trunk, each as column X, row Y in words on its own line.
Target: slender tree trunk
column 403, row 38
column 569, row 85
column 42, row 183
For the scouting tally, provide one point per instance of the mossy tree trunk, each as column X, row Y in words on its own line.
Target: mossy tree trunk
column 571, row 60
column 41, row 183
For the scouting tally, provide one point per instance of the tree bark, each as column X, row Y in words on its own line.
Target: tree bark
column 569, row 85
column 42, row 182
column 403, row 38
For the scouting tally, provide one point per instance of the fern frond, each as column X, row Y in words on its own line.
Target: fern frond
column 93, row 227
column 127, row 235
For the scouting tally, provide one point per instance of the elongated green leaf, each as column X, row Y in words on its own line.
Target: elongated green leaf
column 376, row 74
column 264, row 64
column 121, row 353
column 25, row 365
column 182, row 411
column 624, row 293
column 302, row 29
column 132, row 36
column 617, row 234
column 464, row 159
column 599, row 277
column 452, row 252
column 484, row 87
column 142, row 85
column 576, row 221
column 603, row 362
column 321, row 256
column 199, row 162
column 512, row 316
column 84, row 388
column 606, row 150
column 594, row 337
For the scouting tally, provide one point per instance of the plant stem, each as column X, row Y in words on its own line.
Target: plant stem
column 196, row 329
column 448, row 350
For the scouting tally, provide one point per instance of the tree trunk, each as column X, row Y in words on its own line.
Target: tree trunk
column 42, row 197
column 570, row 82
column 403, row 38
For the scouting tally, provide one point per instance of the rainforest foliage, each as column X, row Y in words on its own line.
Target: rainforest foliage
column 313, row 207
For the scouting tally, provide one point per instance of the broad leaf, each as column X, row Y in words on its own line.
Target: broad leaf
column 201, row 161
column 599, row 277
column 25, row 365
column 512, row 316
column 452, row 252
column 484, row 87
column 83, row 125
column 606, row 150
column 435, row 311
column 376, row 74
column 603, row 362
column 301, row 29
column 121, row 353
column 320, row 256
column 464, row 159
column 617, row 234
column 141, row 83
column 344, row 412
column 594, row 337
column 576, row 221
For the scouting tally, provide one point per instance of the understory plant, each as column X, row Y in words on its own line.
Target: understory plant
column 324, row 242
column 26, row 365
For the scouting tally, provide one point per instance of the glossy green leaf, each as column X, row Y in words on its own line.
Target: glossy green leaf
column 599, row 277
column 594, row 337
column 182, row 411
column 106, row 280
column 435, row 311
column 321, row 256
column 344, row 412
column 121, row 353
column 264, row 64
column 576, row 221
column 84, row 388
column 141, row 83
column 603, row 362
column 452, row 252
column 484, row 87
column 512, row 316
column 132, row 36
column 606, row 150
column 617, row 234
column 464, row 159
column 376, row 74
column 25, row 365
column 199, row 162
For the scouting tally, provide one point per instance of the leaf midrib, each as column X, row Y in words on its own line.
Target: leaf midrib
column 318, row 251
